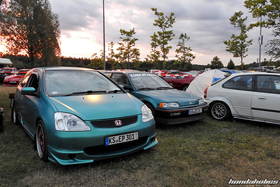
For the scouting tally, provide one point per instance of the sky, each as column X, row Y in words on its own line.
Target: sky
column 205, row 22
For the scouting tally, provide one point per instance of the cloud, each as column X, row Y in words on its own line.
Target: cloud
column 205, row 22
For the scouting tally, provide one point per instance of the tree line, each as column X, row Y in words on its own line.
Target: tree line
column 29, row 27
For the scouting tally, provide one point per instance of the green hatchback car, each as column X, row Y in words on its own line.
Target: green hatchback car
column 168, row 105
column 79, row 115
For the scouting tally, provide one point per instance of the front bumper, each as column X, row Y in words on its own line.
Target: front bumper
column 180, row 116
column 64, row 157
column 68, row 148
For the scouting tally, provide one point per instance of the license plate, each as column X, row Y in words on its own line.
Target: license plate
column 195, row 111
column 12, row 82
column 121, row 138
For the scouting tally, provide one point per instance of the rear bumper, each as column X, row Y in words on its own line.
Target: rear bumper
column 174, row 117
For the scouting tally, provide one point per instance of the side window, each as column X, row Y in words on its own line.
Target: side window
column 268, row 84
column 25, row 79
column 120, row 78
column 33, row 81
column 244, row 82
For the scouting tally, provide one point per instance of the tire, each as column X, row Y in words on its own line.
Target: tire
column 151, row 108
column 41, row 141
column 185, row 87
column 220, row 111
column 14, row 115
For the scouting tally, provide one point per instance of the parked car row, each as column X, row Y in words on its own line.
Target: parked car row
column 80, row 115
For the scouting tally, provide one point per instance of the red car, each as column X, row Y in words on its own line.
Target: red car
column 13, row 80
column 179, row 81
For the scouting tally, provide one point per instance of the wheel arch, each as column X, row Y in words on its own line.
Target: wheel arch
column 224, row 100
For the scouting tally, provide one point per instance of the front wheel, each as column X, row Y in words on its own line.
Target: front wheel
column 220, row 111
column 41, row 141
column 185, row 87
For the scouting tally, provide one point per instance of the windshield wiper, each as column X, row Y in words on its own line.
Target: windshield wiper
column 162, row 88
column 114, row 91
column 145, row 89
column 86, row 92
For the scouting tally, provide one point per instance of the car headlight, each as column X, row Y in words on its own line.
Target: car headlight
column 169, row 105
column 69, row 122
column 146, row 114
column 201, row 101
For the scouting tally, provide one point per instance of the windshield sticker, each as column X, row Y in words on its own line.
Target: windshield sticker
column 141, row 75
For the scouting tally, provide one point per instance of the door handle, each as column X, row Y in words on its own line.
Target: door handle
column 262, row 98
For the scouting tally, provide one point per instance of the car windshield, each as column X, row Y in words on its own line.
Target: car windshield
column 148, row 81
column 72, row 82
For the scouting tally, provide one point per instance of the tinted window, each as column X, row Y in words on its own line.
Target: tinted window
column 242, row 82
column 147, row 80
column 120, row 78
column 268, row 84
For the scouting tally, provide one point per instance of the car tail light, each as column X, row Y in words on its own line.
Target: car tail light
column 205, row 91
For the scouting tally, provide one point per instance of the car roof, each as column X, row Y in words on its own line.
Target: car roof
column 254, row 73
column 126, row 71
column 63, row 68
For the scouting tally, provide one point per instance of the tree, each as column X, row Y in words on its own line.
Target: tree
column 230, row 65
column 238, row 45
column 274, row 49
column 127, row 50
column 271, row 11
column 155, row 54
column 186, row 56
column 30, row 27
column 96, row 62
column 216, row 63
column 164, row 36
column 268, row 8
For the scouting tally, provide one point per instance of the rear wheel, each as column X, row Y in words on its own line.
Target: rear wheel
column 41, row 141
column 14, row 114
column 220, row 111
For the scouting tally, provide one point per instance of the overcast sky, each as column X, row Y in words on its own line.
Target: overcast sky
column 205, row 22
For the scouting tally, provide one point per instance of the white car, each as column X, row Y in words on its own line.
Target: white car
column 251, row 96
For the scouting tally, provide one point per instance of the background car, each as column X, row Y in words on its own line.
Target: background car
column 13, row 80
column 79, row 115
column 180, row 82
column 251, row 96
column 6, row 71
column 168, row 105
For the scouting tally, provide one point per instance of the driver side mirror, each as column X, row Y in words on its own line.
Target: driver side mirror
column 126, row 87
column 28, row 91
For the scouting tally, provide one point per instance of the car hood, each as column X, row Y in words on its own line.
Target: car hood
column 171, row 95
column 92, row 107
column 14, row 77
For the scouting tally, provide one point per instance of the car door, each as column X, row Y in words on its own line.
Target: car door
column 266, row 99
column 28, row 107
column 239, row 91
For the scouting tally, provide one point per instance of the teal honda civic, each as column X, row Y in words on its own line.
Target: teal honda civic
column 168, row 105
column 79, row 115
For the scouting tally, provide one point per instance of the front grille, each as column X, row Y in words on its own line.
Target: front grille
column 111, row 122
column 110, row 149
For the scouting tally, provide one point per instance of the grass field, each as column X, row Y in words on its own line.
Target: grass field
column 205, row 153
